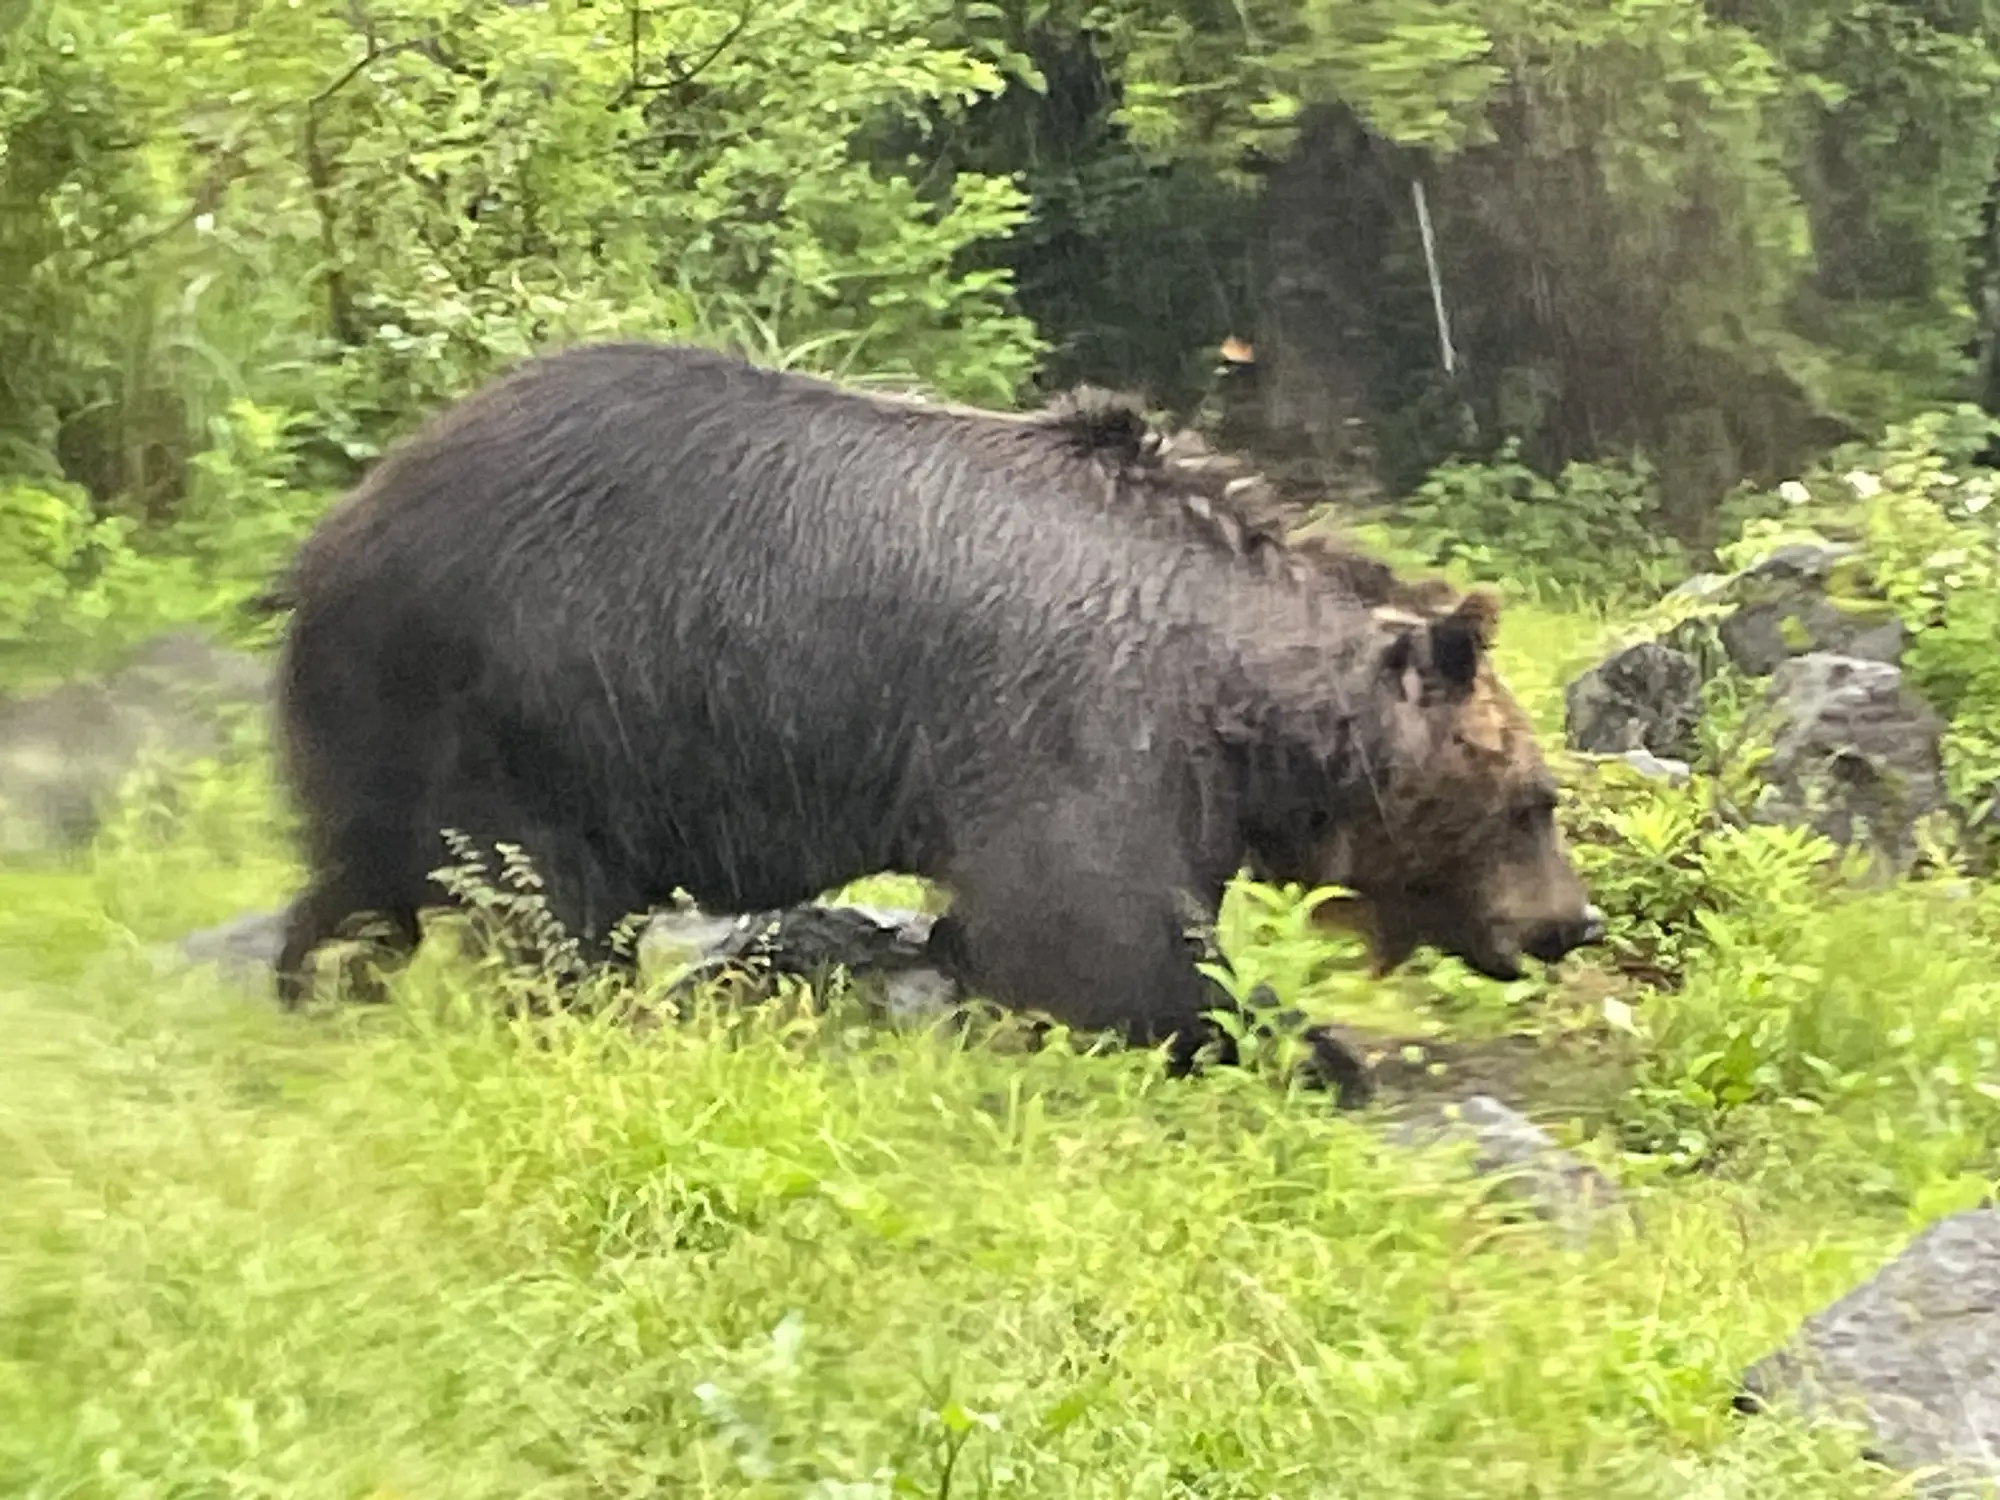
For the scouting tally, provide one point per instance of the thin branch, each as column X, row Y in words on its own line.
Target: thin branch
column 689, row 74
column 375, row 53
column 679, row 75
column 145, row 241
column 225, row 167
column 319, row 176
column 632, row 76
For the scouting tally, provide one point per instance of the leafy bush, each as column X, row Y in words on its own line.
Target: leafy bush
column 76, row 587
column 45, row 535
column 65, row 574
column 1762, row 981
column 352, row 216
column 1665, row 863
column 1933, row 542
column 1593, row 532
column 1777, row 985
column 1879, row 1007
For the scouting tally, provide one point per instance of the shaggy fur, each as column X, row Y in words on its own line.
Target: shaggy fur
column 665, row 619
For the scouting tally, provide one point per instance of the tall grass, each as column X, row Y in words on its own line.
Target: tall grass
column 423, row 1251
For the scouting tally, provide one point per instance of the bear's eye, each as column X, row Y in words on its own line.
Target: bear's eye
column 1536, row 814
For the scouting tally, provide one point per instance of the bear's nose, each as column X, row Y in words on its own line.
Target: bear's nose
column 1555, row 940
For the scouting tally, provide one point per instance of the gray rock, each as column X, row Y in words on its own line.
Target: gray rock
column 1913, row 1354
column 1653, row 767
column 1855, row 755
column 1782, row 610
column 65, row 753
column 1761, row 635
column 244, row 947
column 1811, row 562
column 915, row 994
column 890, row 946
column 1645, row 697
column 806, row 938
column 875, row 943
column 690, row 934
column 1555, row 1184
column 1700, row 586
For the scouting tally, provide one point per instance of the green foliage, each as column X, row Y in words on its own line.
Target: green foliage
column 1133, row 270
column 1230, row 81
column 1666, row 862
column 424, row 1248
column 354, row 213
column 1593, row 531
column 1932, row 535
column 78, row 589
column 1874, row 1009
column 1775, row 987
column 69, row 581
column 349, row 214
column 789, row 1250
column 1774, row 984
column 1893, row 141
column 44, row 535
column 241, row 519
column 1709, row 232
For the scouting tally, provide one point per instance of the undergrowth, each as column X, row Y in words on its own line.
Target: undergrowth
column 436, row 1249
column 469, row 1245
column 429, row 1249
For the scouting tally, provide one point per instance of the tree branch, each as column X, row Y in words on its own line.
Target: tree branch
column 320, row 177
column 679, row 75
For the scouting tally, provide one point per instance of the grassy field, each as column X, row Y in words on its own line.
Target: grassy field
column 423, row 1253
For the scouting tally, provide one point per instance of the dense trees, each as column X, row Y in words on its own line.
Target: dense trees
column 1724, row 234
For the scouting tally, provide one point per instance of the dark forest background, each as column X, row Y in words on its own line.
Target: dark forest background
column 1712, row 238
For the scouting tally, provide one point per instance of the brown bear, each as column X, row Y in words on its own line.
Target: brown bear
column 666, row 619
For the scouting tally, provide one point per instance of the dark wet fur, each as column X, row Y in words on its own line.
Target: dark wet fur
column 669, row 620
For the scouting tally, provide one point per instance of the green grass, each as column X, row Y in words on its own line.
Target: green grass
column 424, row 1253
column 421, row 1254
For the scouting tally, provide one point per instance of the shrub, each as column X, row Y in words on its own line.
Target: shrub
column 76, row 588
column 1875, row 1007
column 1592, row 533
column 1665, row 863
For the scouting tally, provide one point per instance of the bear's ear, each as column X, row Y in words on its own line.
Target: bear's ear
column 1461, row 638
column 1402, row 657
column 1481, row 607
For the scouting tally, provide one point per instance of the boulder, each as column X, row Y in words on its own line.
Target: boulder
column 888, row 945
column 65, row 753
column 809, row 941
column 1913, row 1355
column 1652, row 767
column 1783, row 609
column 1855, row 755
column 1645, row 697
column 1553, row 1183
column 1700, row 587
column 244, row 947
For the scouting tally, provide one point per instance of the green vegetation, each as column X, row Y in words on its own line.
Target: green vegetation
column 1723, row 279
column 428, row 1252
